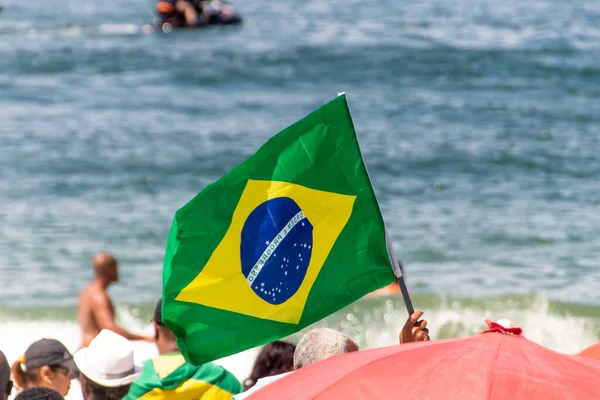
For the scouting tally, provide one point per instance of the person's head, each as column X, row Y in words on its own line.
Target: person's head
column 166, row 341
column 5, row 383
column 39, row 393
column 105, row 267
column 319, row 344
column 275, row 358
column 106, row 367
column 46, row 363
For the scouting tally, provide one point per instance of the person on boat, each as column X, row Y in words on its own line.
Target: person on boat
column 187, row 13
column 178, row 12
column 170, row 376
column 95, row 310
column 46, row 363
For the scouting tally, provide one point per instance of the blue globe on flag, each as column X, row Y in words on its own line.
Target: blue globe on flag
column 275, row 250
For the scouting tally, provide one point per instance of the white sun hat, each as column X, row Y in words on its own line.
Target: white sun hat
column 108, row 360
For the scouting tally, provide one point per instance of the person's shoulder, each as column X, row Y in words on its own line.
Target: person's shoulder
column 219, row 375
column 85, row 289
column 145, row 383
column 166, row 364
column 86, row 295
column 164, row 374
column 98, row 296
column 214, row 368
column 269, row 379
column 259, row 384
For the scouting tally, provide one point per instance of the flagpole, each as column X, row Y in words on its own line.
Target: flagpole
column 399, row 272
column 405, row 295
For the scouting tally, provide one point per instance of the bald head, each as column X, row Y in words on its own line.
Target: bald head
column 4, row 375
column 102, row 260
column 319, row 344
column 105, row 266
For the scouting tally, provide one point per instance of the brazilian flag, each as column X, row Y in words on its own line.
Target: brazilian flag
column 283, row 240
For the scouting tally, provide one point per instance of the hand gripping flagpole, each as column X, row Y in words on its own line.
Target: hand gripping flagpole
column 398, row 271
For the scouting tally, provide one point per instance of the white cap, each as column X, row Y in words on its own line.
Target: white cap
column 108, row 360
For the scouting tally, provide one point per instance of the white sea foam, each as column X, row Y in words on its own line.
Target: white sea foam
column 83, row 30
column 562, row 333
column 119, row 29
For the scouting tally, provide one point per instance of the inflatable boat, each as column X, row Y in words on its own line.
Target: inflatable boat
column 211, row 12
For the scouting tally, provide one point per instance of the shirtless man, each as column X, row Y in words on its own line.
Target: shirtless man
column 95, row 310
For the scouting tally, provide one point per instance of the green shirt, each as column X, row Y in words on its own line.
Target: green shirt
column 169, row 376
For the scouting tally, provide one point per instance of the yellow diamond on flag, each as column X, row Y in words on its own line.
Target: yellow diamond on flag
column 279, row 238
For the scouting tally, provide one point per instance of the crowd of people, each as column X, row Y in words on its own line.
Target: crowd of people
column 105, row 368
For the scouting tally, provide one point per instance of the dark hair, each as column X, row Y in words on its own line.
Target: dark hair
column 157, row 316
column 100, row 392
column 39, row 393
column 275, row 358
column 5, row 383
column 29, row 378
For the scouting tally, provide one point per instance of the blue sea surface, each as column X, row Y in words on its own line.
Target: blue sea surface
column 479, row 122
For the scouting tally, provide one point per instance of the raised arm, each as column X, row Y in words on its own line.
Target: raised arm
column 414, row 330
column 105, row 318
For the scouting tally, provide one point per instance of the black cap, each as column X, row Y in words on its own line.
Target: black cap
column 157, row 317
column 49, row 352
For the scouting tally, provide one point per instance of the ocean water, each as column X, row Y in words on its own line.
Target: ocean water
column 478, row 121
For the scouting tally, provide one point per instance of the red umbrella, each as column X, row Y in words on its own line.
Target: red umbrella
column 591, row 352
column 489, row 366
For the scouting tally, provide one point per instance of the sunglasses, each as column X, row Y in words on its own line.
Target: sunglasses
column 9, row 387
column 66, row 371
